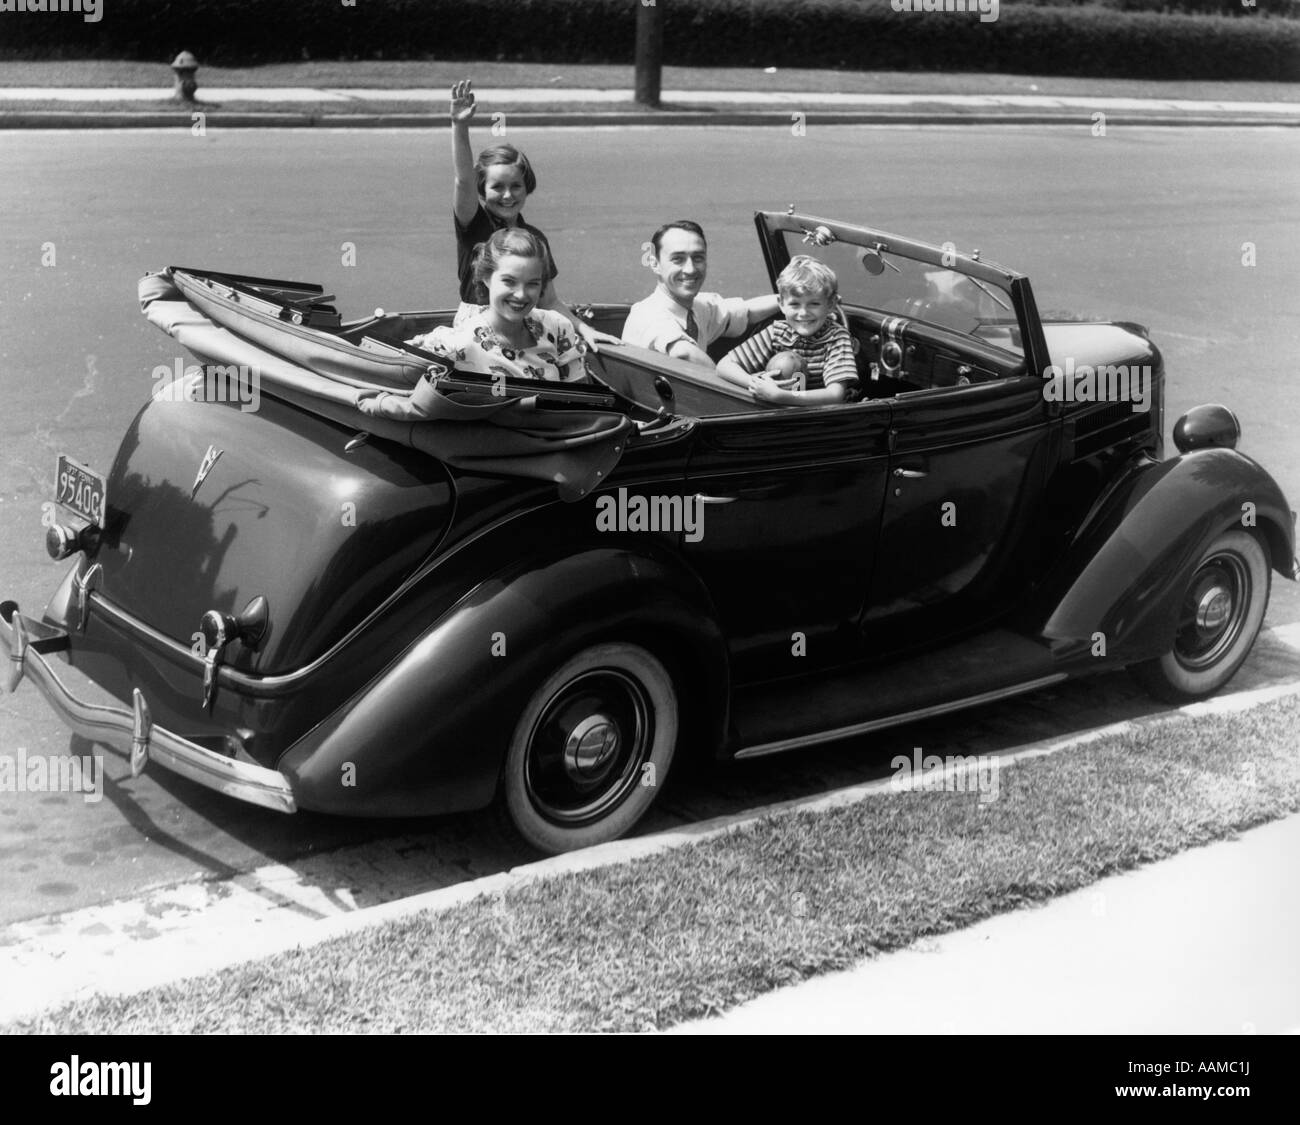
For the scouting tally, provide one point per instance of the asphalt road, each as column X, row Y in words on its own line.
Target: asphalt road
column 1142, row 224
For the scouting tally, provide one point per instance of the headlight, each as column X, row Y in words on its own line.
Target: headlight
column 1207, row 427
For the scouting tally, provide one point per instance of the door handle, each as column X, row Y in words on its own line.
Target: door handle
column 911, row 474
column 714, row 499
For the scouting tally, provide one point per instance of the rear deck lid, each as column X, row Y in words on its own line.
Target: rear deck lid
column 212, row 506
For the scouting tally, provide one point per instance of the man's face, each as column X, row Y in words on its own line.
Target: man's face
column 681, row 264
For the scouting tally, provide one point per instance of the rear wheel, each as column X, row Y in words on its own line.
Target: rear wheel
column 591, row 749
column 1219, row 618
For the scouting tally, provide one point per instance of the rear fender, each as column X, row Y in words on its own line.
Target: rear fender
column 429, row 735
column 1117, row 594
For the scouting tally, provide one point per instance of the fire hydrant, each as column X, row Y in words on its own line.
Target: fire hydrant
column 184, row 66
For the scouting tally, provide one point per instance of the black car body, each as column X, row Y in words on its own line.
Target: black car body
column 994, row 513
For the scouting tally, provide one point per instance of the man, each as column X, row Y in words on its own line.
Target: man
column 678, row 318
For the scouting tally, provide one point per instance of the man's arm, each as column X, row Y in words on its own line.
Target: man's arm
column 464, row 198
column 760, row 308
column 690, row 351
column 656, row 329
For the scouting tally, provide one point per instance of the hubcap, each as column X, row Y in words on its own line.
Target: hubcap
column 590, row 746
column 1213, row 612
column 1214, row 609
column 587, row 747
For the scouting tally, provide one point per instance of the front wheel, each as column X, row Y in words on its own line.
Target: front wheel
column 591, row 749
column 1218, row 620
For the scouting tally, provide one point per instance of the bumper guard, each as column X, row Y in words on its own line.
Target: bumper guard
column 26, row 642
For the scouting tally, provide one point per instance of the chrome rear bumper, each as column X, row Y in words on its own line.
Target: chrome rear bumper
column 26, row 643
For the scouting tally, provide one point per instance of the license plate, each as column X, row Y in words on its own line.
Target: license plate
column 80, row 490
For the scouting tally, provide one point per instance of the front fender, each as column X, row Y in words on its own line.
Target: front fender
column 430, row 733
column 1127, row 568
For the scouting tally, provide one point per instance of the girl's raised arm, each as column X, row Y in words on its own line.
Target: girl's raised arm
column 464, row 199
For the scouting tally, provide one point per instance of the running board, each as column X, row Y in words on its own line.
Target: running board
column 898, row 719
column 774, row 715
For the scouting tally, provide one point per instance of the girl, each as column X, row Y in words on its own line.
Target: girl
column 511, row 336
column 489, row 195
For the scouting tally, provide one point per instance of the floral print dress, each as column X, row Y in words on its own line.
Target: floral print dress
column 556, row 353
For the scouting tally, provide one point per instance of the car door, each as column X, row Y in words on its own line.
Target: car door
column 955, row 346
column 791, row 503
column 962, row 512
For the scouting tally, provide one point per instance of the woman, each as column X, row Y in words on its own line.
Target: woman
column 512, row 336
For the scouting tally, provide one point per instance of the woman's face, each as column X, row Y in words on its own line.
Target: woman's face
column 515, row 287
column 503, row 191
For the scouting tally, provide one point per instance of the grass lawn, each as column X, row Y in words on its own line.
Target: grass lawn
column 423, row 75
column 704, row 927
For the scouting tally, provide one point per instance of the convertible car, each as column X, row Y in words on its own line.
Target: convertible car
column 547, row 594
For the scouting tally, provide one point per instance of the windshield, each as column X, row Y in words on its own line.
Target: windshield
column 917, row 290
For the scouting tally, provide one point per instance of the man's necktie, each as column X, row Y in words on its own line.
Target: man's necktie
column 692, row 326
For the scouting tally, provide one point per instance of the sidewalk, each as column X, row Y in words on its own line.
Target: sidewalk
column 1202, row 943
column 555, row 106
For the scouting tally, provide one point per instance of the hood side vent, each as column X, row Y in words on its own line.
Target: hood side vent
column 1106, row 427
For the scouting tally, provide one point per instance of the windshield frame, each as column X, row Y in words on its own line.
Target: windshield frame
column 774, row 226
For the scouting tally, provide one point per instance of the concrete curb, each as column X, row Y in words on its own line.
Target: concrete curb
column 181, row 119
column 168, row 966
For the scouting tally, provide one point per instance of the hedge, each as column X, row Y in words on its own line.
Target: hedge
column 851, row 34
column 1287, row 9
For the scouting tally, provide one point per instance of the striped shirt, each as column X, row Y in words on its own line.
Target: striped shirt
column 827, row 355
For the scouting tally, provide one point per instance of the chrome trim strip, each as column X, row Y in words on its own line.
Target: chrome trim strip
column 895, row 720
column 134, row 734
column 274, row 685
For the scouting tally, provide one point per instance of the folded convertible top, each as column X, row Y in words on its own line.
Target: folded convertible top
column 274, row 329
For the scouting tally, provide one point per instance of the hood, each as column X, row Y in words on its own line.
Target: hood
column 1095, row 344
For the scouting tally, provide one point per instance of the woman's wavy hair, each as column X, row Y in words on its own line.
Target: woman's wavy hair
column 508, row 240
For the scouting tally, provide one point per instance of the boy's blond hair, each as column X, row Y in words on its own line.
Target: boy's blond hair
column 804, row 275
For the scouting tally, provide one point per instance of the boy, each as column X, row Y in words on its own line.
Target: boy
column 805, row 359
